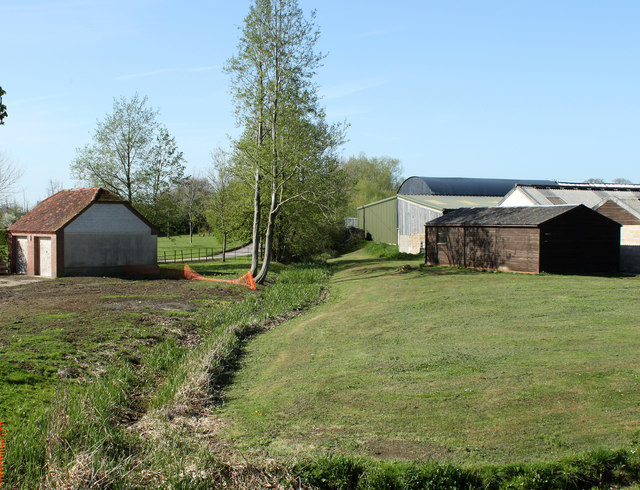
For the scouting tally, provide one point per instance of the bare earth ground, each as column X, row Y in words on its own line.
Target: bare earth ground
column 74, row 328
column 7, row 281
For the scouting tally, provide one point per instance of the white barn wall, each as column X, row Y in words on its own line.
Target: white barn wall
column 411, row 220
column 517, row 198
column 107, row 236
column 107, row 218
column 630, row 248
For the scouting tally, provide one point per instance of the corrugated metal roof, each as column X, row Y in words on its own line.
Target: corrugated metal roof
column 463, row 186
column 576, row 194
column 604, row 186
column 452, row 202
column 512, row 216
column 376, row 202
column 56, row 211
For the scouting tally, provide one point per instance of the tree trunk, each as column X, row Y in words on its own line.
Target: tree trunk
column 224, row 247
column 268, row 241
column 190, row 231
column 268, row 249
column 255, row 250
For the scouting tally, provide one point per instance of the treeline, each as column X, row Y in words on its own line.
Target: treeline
column 134, row 156
column 281, row 184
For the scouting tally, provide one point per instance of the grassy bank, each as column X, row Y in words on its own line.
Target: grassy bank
column 452, row 366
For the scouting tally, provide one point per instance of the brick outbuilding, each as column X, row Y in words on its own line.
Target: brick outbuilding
column 81, row 232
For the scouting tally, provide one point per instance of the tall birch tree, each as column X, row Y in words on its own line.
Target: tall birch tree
column 286, row 142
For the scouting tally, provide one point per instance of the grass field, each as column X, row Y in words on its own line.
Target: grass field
column 447, row 365
column 181, row 242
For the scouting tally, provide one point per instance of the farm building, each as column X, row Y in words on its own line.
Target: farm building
column 399, row 220
column 81, row 232
column 558, row 239
column 618, row 202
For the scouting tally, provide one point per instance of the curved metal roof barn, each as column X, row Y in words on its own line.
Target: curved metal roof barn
column 463, row 186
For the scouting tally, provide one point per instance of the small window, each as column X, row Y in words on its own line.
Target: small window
column 442, row 236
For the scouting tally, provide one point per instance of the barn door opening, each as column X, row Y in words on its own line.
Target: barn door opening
column 22, row 244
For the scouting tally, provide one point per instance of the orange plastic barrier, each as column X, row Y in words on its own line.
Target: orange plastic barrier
column 246, row 280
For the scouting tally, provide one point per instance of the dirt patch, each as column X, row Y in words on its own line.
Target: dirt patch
column 142, row 305
column 8, row 281
column 406, row 450
column 76, row 327
column 84, row 294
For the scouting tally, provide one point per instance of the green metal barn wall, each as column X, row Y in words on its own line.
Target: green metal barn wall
column 380, row 219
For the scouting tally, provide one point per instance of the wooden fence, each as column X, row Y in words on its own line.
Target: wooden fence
column 194, row 255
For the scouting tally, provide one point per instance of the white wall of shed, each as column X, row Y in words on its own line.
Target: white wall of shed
column 107, row 218
column 630, row 248
column 102, row 250
column 517, row 198
column 412, row 217
column 411, row 244
column 107, row 236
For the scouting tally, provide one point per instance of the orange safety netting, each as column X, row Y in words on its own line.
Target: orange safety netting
column 246, row 280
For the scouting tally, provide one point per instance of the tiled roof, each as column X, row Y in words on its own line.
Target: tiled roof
column 56, row 211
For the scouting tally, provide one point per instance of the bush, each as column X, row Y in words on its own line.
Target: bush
column 4, row 245
column 596, row 469
column 386, row 251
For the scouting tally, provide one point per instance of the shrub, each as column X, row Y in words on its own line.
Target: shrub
column 4, row 246
column 386, row 251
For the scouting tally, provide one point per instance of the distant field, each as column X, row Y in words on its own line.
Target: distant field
column 181, row 242
column 445, row 364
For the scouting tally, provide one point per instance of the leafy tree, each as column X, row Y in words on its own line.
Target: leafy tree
column 227, row 207
column 372, row 178
column 131, row 154
column 594, row 181
column 286, row 141
column 3, row 108
column 191, row 196
column 164, row 171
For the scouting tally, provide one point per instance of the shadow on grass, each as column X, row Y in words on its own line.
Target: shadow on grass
column 439, row 270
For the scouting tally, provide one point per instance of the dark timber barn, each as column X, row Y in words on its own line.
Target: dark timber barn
column 558, row 239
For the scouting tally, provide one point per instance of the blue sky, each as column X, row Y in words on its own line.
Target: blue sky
column 511, row 88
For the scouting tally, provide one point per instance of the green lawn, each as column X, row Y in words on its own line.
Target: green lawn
column 181, row 242
column 445, row 364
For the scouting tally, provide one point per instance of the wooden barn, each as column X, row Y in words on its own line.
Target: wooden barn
column 558, row 239
column 81, row 232
column 620, row 202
